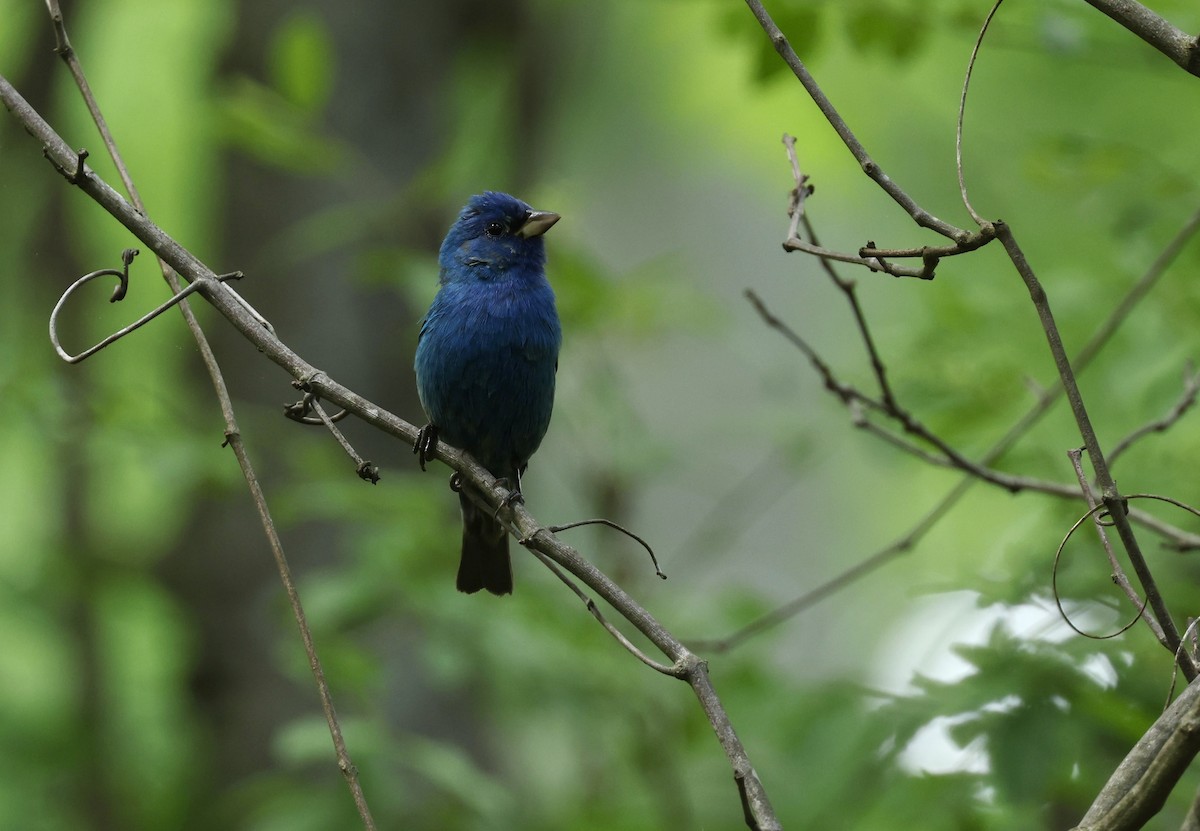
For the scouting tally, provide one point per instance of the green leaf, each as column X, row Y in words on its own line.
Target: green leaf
column 300, row 60
column 264, row 124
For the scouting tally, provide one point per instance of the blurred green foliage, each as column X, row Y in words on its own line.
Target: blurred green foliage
column 150, row 676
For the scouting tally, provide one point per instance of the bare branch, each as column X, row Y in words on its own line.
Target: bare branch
column 870, row 262
column 118, row 294
column 1180, row 540
column 1118, row 573
column 1186, row 400
column 869, row 166
column 608, row 523
column 1140, row 785
column 861, row 404
column 1175, row 43
column 594, row 611
column 846, row 392
column 848, row 287
column 1111, row 497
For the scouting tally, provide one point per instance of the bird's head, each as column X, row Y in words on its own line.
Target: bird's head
column 495, row 235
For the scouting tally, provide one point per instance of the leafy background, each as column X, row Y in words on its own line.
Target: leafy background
column 150, row 676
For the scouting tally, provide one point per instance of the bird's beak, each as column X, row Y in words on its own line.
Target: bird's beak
column 537, row 223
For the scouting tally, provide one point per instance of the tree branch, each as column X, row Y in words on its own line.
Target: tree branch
column 1181, row 539
column 759, row 813
column 1175, row 43
column 1141, row 783
column 1186, row 400
column 1109, row 494
column 868, row 165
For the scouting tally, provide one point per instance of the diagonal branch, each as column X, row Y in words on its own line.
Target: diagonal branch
column 1157, row 31
column 1118, row 573
column 869, row 166
column 1142, row 782
column 687, row 666
column 1186, row 400
column 1109, row 494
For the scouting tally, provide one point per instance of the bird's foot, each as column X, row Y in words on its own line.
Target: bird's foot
column 513, row 497
column 425, row 444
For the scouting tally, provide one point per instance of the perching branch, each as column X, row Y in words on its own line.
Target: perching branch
column 685, row 664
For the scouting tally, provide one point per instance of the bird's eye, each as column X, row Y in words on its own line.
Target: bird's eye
column 494, row 229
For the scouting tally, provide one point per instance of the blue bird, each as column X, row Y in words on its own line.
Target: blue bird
column 486, row 360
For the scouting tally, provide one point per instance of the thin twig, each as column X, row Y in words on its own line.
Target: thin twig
column 846, row 392
column 962, row 109
column 869, row 166
column 365, row 469
column 848, row 287
column 1189, row 632
column 345, row 765
column 1096, row 513
column 1118, row 573
column 798, row 196
column 871, row 263
column 608, row 523
column 946, row 455
column 179, row 297
column 595, row 612
column 1010, row 482
column 1186, row 400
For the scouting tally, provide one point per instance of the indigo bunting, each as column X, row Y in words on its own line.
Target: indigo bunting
column 486, row 359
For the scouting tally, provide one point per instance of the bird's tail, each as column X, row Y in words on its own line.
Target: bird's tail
column 485, row 563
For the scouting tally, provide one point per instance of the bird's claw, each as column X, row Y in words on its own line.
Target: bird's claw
column 513, row 497
column 425, row 444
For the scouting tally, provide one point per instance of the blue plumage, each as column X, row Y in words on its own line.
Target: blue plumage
column 486, row 360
